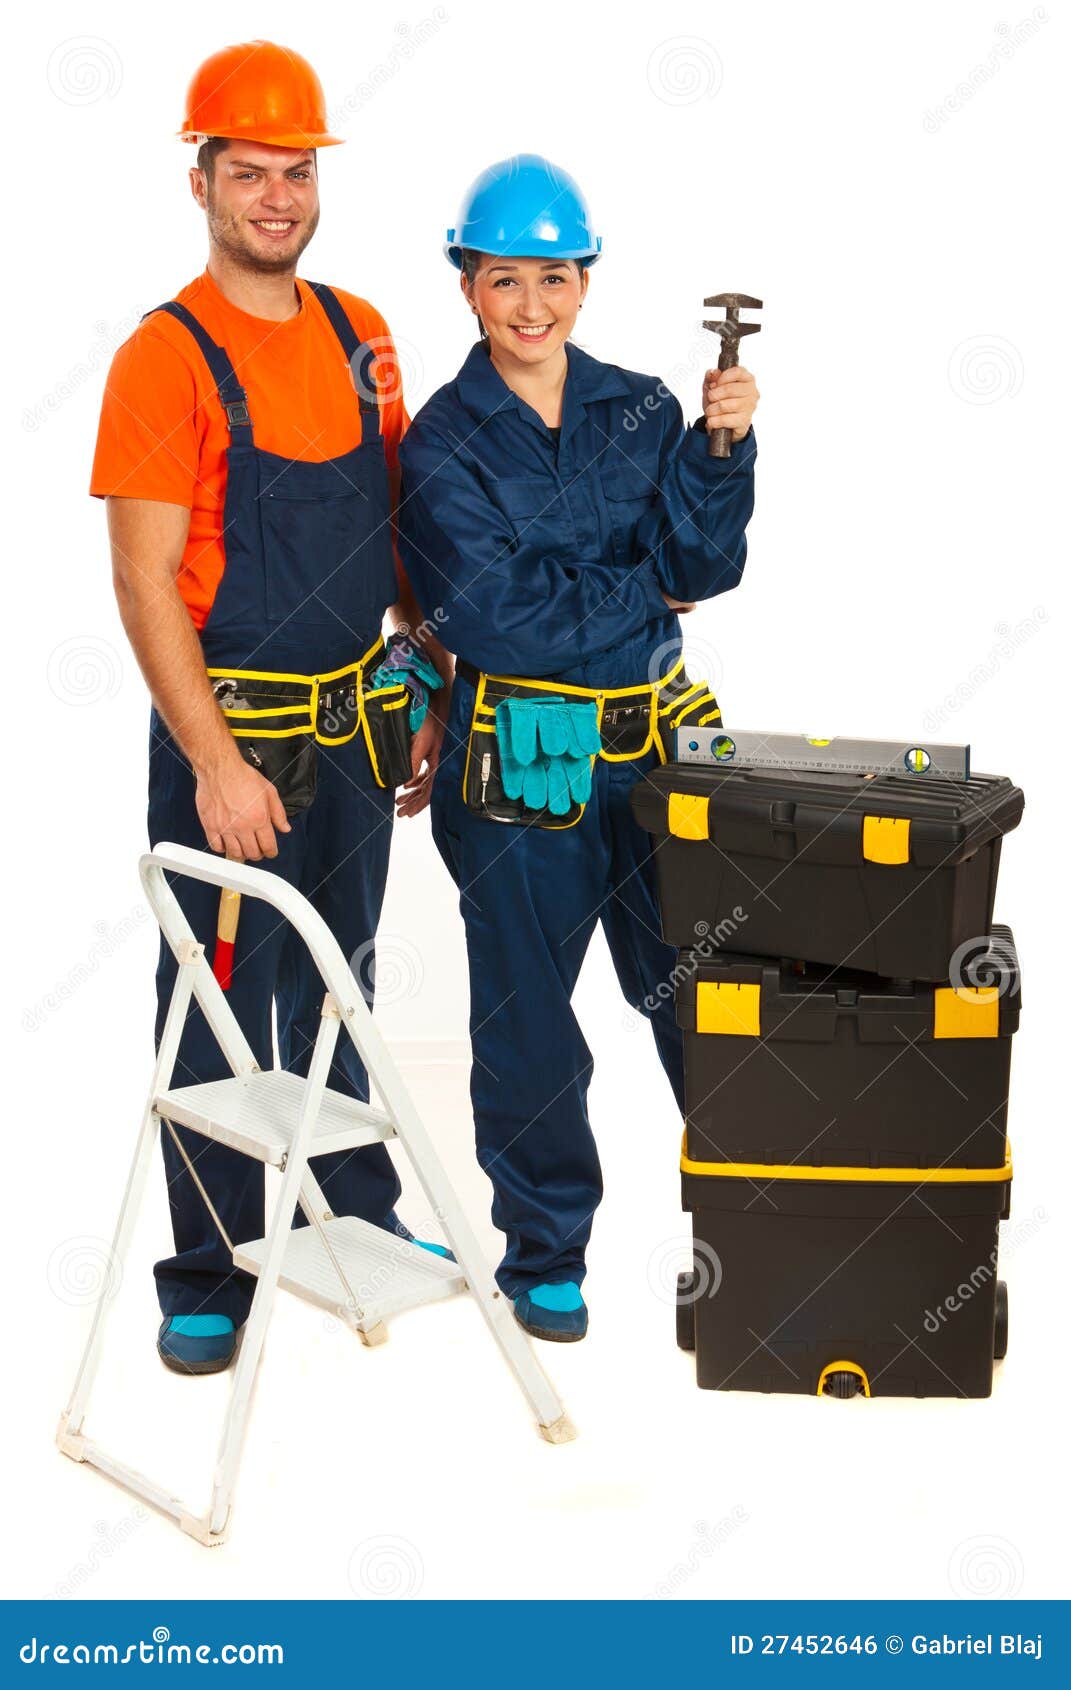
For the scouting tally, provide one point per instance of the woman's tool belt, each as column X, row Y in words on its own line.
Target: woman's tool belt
column 279, row 720
column 631, row 721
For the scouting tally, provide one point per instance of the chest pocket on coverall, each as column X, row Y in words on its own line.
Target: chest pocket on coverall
column 629, row 497
column 535, row 509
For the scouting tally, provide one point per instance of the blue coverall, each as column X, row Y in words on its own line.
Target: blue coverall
column 539, row 557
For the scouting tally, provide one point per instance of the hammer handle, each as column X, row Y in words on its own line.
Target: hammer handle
column 720, row 440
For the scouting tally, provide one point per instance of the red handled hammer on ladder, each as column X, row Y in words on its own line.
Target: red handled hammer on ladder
column 720, row 439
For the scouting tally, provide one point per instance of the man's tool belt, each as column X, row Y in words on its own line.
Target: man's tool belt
column 632, row 722
column 279, row 720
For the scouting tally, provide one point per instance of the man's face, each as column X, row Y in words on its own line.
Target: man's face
column 262, row 203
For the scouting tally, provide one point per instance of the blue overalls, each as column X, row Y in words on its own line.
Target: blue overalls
column 538, row 558
column 309, row 573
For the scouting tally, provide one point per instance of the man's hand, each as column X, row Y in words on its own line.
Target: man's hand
column 729, row 400
column 427, row 744
column 239, row 810
column 678, row 604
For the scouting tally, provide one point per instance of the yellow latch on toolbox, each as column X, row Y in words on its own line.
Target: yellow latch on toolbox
column 886, row 839
column 689, row 815
column 721, row 1006
column 966, row 1012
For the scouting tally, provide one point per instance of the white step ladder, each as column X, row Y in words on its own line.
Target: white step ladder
column 363, row 1274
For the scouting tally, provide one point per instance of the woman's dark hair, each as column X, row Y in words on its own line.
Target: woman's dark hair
column 470, row 264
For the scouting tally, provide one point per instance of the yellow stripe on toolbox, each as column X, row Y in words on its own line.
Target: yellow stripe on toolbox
column 966, row 1012
column 688, row 815
column 886, row 839
column 881, row 1176
column 722, row 1006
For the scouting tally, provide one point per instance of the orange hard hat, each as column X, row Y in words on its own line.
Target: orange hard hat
column 258, row 91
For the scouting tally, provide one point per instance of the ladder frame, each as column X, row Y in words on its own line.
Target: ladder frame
column 344, row 1011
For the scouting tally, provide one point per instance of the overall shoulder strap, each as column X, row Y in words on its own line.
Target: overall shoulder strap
column 359, row 356
column 229, row 388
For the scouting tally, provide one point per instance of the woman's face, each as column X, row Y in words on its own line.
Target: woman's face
column 528, row 305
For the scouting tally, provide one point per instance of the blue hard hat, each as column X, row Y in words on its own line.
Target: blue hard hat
column 524, row 207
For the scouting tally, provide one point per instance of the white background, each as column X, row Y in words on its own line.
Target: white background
column 882, row 179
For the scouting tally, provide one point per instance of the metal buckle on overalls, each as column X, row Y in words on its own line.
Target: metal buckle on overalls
column 237, row 412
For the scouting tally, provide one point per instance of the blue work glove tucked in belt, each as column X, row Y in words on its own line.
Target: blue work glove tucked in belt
column 405, row 662
column 546, row 746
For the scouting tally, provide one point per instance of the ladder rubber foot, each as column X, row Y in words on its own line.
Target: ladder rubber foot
column 376, row 1334
column 560, row 1431
column 198, row 1528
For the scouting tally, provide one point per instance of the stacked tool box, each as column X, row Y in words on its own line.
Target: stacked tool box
column 847, row 1007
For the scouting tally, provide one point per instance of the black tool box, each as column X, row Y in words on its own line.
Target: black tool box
column 818, row 1066
column 835, row 1286
column 889, row 874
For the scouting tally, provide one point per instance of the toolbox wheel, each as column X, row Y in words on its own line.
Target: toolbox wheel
column 1000, row 1325
column 843, row 1385
column 685, row 1311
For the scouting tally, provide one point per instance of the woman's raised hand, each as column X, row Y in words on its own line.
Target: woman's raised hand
column 729, row 399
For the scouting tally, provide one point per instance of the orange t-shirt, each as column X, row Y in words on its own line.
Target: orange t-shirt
column 163, row 434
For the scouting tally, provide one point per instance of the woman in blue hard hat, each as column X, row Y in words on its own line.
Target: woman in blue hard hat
column 557, row 513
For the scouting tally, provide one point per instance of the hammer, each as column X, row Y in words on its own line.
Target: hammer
column 720, row 439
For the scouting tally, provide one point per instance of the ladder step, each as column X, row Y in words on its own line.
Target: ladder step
column 258, row 1113
column 385, row 1274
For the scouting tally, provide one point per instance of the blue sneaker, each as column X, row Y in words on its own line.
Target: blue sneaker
column 400, row 1230
column 197, row 1343
column 436, row 1249
column 554, row 1312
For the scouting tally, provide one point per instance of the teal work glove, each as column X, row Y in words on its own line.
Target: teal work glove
column 406, row 663
column 546, row 746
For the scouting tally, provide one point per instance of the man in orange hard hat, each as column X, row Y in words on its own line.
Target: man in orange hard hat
column 248, row 453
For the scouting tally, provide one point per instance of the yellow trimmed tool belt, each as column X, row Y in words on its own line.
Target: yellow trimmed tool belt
column 279, row 719
column 633, row 721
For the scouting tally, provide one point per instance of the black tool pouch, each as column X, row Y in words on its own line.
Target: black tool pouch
column 258, row 717
column 388, row 735
column 684, row 704
column 483, row 791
